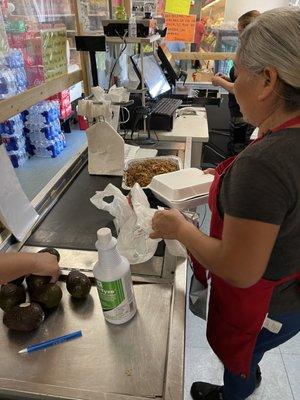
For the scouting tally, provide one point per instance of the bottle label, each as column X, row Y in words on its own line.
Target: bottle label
column 117, row 299
column 111, row 294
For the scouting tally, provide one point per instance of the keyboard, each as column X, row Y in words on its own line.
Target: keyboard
column 166, row 106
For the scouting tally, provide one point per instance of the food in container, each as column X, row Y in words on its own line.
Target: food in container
column 143, row 170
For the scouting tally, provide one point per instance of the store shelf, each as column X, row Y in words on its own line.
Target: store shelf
column 21, row 102
column 100, row 14
column 209, row 56
column 148, row 40
column 42, row 15
column 215, row 3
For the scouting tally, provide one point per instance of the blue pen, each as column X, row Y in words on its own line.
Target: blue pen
column 51, row 342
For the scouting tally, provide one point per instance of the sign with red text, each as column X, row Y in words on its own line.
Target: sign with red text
column 181, row 28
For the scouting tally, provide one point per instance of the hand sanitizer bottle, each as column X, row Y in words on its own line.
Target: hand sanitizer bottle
column 113, row 278
column 132, row 27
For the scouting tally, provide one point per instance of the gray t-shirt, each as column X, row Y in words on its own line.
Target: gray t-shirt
column 263, row 184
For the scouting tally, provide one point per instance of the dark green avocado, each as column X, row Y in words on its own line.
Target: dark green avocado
column 34, row 281
column 52, row 251
column 47, row 296
column 25, row 317
column 11, row 295
column 78, row 285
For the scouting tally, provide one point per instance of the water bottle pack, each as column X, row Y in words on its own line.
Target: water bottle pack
column 14, row 143
column 43, row 130
column 12, row 134
column 13, row 126
column 50, row 131
column 44, row 112
column 8, row 87
column 13, row 78
column 21, row 79
column 18, row 157
column 13, row 59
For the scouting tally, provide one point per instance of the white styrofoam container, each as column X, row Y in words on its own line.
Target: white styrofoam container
column 177, row 160
column 188, row 204
column 182, row 185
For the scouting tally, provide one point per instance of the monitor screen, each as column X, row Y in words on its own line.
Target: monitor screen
column 155, row 79
column 168, row 63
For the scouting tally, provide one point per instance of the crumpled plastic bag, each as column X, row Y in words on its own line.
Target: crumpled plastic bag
column 133, row 222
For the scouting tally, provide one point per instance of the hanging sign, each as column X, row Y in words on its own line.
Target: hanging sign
column 181, row 28
column 178, row 7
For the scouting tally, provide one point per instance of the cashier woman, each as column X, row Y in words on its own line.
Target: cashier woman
column 253, row 251
column 15, row 265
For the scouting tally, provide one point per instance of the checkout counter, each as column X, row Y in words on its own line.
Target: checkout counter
column 141, row 359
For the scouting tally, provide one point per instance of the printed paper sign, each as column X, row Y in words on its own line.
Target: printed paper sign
column 178, row 7
column 180, row 28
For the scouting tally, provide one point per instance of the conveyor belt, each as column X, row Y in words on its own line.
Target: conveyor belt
column 74, row 220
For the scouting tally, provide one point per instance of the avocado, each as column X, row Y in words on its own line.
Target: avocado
column 11, row 295
column 24, row 317
column 78, row 285
column 48, row 295
column 52, row 251
column 34, row 281
column 18, row 281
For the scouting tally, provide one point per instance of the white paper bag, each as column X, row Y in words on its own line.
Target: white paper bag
column 105, row 150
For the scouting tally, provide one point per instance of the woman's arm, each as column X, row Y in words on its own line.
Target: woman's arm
column 240, row 258
column 14, row 265
column 224, row 83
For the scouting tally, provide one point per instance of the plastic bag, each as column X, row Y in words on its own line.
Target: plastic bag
column 132, row 221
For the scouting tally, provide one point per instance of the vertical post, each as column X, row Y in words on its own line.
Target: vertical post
column 143, row 81
column 128, row 7
column 83, row 60
column 94, row 68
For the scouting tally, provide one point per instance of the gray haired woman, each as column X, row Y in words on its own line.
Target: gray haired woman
column 253, row 251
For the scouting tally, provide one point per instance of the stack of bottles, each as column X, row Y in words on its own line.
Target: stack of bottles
column 43, row 130
column 12, row 134
column 13, row 78
column 64, row 100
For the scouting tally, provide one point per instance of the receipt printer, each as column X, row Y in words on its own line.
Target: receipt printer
column 115, row 27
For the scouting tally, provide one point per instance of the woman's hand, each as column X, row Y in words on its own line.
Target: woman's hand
column 217, row 80
column 46, row 264
column 167, row 224
column 210, row 171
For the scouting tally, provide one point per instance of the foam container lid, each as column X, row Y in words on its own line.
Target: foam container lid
column 181, row 185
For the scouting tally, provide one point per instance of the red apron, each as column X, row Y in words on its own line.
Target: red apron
column 236, row 315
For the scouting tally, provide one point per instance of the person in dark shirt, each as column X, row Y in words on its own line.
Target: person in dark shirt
column 240, row 131
column 253, row 251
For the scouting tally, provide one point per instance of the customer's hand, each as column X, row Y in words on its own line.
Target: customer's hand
column 217, row 80
column 46, row 264
column 223, row 76
column 167, row 224
column 210, row 171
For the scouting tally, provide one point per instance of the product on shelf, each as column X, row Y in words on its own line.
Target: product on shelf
column 64, row 100
column 43, row 130
column 13, row 79
column 12, row 134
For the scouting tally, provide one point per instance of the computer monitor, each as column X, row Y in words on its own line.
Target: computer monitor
column 155, row 79
column 168, row 64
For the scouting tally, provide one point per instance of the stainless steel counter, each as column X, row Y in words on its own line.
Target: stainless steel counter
column 141, row 359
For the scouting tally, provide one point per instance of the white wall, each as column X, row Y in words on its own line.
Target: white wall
column 235, row 8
